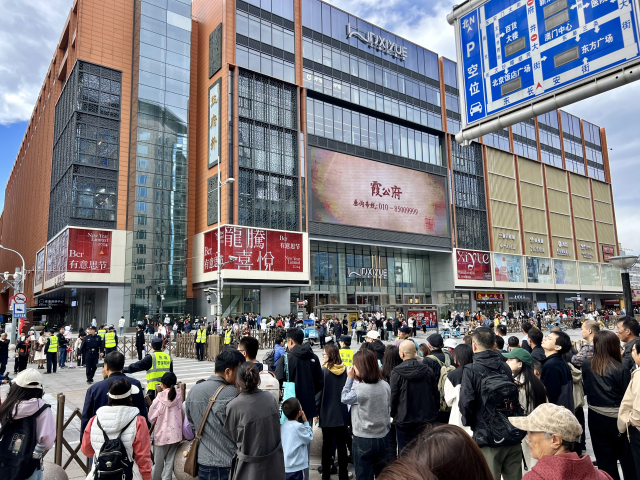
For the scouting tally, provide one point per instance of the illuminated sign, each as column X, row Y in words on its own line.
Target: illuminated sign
column 381, row 273
column 377, row 42
column 214, row 123
column 348, row 190
column 484, row 296
column 607, row 252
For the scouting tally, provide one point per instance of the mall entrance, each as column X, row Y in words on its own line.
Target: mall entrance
column 368, row 302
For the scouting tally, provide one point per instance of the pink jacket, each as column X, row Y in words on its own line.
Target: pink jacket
column 167, row 416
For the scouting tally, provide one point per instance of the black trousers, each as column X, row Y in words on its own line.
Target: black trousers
column 634, row 433
column 22, row 362
column 339, row 436
column 140, row 353
column 406, row 432
column 200, row 351
column 91, row 362
column 580, row 418
column 609, row 446
column 52, row 357
column 359, row 336
column 3, row 363
column 393, row 444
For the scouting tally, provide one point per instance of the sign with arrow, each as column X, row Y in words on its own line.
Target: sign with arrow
column 517, row 53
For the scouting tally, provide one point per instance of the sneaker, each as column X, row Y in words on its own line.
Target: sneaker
column 47, row 373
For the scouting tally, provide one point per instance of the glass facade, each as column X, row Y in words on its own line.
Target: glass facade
column 524, row 139
column 572, row 140
column 452, row 96
column 550, row 149
column 593, row 147
column 499, row 139
column 157, row 210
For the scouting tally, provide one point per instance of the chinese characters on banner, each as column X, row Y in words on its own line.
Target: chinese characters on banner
column 57, row 254
column 489, row 296
column 430, row 316
column 473, row 265
column 89, row 251
column 607, row 252
column 256, row 249
column 214, row 124
column 39, row 269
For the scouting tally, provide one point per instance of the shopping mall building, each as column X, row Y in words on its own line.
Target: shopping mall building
column 348, row 186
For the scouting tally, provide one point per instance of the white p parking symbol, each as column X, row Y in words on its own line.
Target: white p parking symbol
column 470, row 48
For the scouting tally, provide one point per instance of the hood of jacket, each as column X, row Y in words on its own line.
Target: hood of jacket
column 491, row 359
column 302, row 351
column 115, row 418
column 575, row 373
column 378, row 346
column 26, row 408
column 566, row 466
column 336, row 369
column 163, row 398
column 413, row 370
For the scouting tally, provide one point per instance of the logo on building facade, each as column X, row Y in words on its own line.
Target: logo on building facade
column 381, row 44
column 381, row 273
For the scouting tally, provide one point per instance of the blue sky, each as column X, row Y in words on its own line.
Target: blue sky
column 35, row 26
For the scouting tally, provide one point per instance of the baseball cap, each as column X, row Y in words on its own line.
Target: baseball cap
column 328, row 339
column 373, row 334
column 405, row 329
column 519, row 354
column 550, row 418
column 91, row 327
column 156, row 342
column 450, row 343
column 346, row 339
column 29, row 378
column 435, row 340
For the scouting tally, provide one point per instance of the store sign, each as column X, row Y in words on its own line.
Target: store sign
column 428, row 316
column 255, row 249
column 520, row 296
column 377, row 42
column 607, row 252
column 51, row 302
column 506, row 240
column 536, row 245
column 473, row 265
column 347, row 190
column 562, row 249
column 380, row 273
column 489, row 296
column 89, row 251
column 214, row 123
column 39, row 273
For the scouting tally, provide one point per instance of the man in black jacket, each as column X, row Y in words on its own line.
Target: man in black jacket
column 415, row 399
column 629, row 331
column 556, row 374
column 437, row 343
column 506, row 460
column 526, row 328
column 535, row 341
column 140, row 341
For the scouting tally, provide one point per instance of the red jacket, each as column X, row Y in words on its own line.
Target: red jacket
column 566, row 466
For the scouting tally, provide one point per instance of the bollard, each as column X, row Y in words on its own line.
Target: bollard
column 183, row 391
column 59, row 430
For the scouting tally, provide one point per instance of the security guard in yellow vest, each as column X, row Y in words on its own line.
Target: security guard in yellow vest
column 201, row 341
column 102, row 332
column 227, row 335
column 157, row 363
column 51, row 348
column 110, row 341
column 346, row 354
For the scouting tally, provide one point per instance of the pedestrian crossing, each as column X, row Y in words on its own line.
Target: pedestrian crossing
column 188, row 371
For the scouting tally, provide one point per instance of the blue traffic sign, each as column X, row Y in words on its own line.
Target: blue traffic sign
column 514, row 53
column 19, row 310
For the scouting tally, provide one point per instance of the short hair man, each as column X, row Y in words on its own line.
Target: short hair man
column 506, row 459
column 513, row 342
column 556, row 374
column 588, row 330
column 499, row 343
column 216, row 447
column 415, row 398
column 628, row 331
column 525, row 328
column 501, row 330
column 249, row 346
column 96, row 395
column 535, row 340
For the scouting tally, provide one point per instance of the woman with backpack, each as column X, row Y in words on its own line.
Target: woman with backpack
column 359, row 330
column 117, row 437
column 23, row 407
column 166, row 414
column 462, row 355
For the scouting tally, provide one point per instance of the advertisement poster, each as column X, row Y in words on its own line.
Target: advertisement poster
column 348, row 190
column 39, row 274
column 430, row 316
column 473, row 265
column 508, row 268
column 255, row 249
column 57, row 254
column 607, row 252
column 89, row 251
column 565, row 271
column 539, row 270
column 489, row 296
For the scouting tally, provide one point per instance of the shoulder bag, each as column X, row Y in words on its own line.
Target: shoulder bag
column 289, row 388
column 191, row 454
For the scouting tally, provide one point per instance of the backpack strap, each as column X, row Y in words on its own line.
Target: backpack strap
column 106, row 438
column 125, row 427
column 433, row 357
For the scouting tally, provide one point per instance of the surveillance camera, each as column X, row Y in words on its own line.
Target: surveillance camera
column 232, row 258
column 208, row 299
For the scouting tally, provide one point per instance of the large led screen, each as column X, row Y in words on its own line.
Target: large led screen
column 350, row 190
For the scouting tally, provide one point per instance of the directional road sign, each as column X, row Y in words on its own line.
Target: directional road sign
column 512, row 53
column 19, row 310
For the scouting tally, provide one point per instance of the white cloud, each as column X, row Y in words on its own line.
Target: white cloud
column 29, row 33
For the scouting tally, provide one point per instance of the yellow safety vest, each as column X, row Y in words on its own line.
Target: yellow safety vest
column 53, row 347
column 227, row 337
column 102, row 333
column 346, row 354
column 161, row 365
column 110, row 340
column 202, row 336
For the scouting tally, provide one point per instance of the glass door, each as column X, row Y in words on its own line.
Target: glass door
column 414, row 298
column 368, row 302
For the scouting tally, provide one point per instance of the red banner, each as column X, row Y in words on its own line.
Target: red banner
column 430, row 316
column 473, row 265
column 255, row 249
column 89, row 251
column 607, row 252
column 489, row 296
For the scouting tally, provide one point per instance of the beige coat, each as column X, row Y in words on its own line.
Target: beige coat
column 629, row 414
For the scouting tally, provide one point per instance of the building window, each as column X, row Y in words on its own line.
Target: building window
column 524, row 139
column 499, row 139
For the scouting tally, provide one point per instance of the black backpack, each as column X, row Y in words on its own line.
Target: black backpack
column 268, row 357
column 112, row 463
column 18, row 440
column 499, row 396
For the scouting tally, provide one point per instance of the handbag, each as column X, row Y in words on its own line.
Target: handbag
column 187, row 431
column 191, row 454
column 289, row 388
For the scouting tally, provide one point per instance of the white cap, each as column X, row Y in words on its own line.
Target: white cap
column 373, row 334
column 29, row 378
column 450, row 343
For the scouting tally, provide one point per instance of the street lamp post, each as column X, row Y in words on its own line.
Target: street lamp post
column 161, row 292
column 18, row 286
column 624, row 263
column 219, row 256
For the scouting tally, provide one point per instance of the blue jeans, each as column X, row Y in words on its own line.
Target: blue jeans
column 369, row 456
column 63, row 357
column 37, row 475
column 206, row 472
